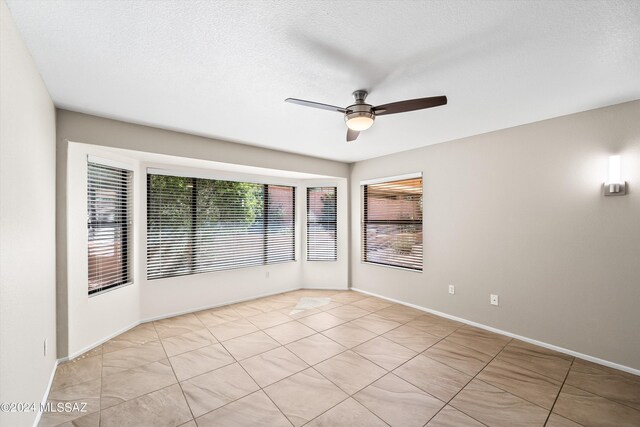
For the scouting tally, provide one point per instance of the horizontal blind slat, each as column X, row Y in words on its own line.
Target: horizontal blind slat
column 321, row 224
column 392, row 223
column 198, row 225
column 109, row 215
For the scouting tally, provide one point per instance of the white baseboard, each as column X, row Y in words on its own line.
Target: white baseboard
column 181, row 312
column 208, row 307
column 151, row 319
column 97, row 343
column 46, row 394
column 165, row 316
column 509, row 334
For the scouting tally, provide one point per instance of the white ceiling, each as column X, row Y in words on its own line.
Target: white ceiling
column 223, row 68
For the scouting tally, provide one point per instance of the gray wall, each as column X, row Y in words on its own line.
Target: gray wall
column 27, row 227
column 519, row 213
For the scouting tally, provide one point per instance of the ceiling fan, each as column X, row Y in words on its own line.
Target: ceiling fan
column 360, row 116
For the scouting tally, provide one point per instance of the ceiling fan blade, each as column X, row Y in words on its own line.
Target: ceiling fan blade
column 409, row 105
column 316, row 105
column 352, row 135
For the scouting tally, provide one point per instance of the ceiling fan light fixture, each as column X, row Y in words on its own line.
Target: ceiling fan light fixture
column 359, row 121
column 360, row 116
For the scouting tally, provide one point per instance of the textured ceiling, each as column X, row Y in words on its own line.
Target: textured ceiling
column 222, row 69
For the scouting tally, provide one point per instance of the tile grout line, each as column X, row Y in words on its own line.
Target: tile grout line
column 282, row 379
column 472, row 377
column 281, row 345
column 623, row 369
column 101, row 384
column 573, row 358
column 312, row 366
column 388, row 371
column 237, row 361
column 500, row 387
column 463, row 387
column 596, row 394
column 543, row 375
column 471, row 348
column 143, row 395
column 528, row 369
column 364, row 342
column 284, row 345
column 606, row 398
column 315, row 330
column 259, row 386
column 74, row 385
column 184, row 396
column 381, row 335
column 349, row 396
column 344, row 400
column 308, row 367
column 367, row 385
column 193, row 349
column 559, row 391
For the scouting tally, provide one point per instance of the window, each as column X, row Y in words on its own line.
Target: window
column 392, row 223
column 109, row 222
column 197, row 225
column 321, row 224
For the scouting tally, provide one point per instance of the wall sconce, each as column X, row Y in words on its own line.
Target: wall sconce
column 615, row 186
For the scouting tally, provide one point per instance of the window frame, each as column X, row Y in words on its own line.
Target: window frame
column 364, row 220
column 127, row 224
column 195, row 177
column 335, row 222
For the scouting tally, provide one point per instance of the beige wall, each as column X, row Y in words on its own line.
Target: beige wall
column 27, row 227
column 112, row 133
column 519, row 213
column 83, row 321
column 94, row 318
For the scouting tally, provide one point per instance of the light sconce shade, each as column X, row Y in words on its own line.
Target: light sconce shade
column 615, row 186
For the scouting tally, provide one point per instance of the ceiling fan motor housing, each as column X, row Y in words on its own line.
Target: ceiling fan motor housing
column 359, row 116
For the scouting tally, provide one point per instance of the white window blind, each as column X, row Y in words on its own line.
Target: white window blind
column 392, row 223
column 321, row 224
column 197, row 225
column 109, row 224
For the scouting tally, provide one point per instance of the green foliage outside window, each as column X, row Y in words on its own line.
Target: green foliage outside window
column 217, row 202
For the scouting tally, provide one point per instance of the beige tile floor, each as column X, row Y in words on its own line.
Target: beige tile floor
column 358, row 361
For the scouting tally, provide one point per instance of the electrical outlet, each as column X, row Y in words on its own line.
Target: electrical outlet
column 452, row 289
column 494, row 299
column 45, row 346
